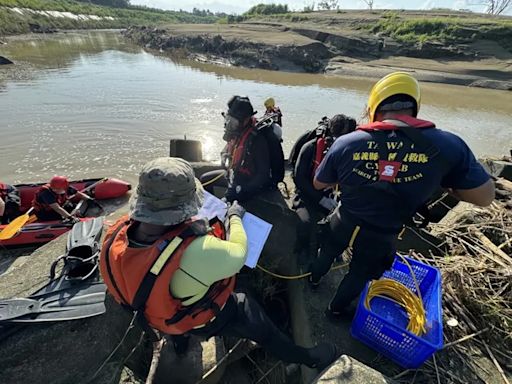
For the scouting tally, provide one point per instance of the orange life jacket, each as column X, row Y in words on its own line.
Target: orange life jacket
column 40, row 207
column 139, row 278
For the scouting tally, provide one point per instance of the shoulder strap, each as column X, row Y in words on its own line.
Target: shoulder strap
column 419, row 139
column 107, row 261
column 171, row 247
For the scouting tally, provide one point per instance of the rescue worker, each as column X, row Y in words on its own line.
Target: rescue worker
column 387, row 169
column 179, row 272
column 51, row 201
column 271, row 109
column 9, row 203
column 253, row 157
column 310, row 204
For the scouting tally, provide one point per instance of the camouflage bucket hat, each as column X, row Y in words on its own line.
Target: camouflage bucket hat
column 168, row 192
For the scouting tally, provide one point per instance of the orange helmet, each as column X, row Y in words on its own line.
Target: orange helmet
column 59, row 182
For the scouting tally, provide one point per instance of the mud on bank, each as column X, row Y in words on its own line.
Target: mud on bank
column 308, row 48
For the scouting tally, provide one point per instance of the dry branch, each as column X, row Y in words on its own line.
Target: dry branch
column 477, row 292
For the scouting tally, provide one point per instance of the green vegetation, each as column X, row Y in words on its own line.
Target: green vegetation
column 443, row 29
column 267, row 9
column 109, row 3
column 12, row 22
column 283, row 17
column 260, row 10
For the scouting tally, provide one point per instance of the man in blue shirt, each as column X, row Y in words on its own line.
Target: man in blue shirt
column 387, row 170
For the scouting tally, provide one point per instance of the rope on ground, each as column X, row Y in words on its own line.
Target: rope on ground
column 214, row 179
column 109, row 357
column 123, row 363
column 297, row 277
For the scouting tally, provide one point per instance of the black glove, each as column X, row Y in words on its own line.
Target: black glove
column 236, row 210
column 233, row 193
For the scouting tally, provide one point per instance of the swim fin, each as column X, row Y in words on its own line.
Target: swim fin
column 74, row 302
column 82, row 251
column 76, row 293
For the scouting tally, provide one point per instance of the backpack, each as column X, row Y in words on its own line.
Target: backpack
column 304, row 138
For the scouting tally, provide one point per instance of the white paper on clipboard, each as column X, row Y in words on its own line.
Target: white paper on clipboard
column 213, row 207
column 257, row 230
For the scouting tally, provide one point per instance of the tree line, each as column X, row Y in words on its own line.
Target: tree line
column 492, row 7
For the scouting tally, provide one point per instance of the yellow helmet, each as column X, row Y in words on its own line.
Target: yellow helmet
column 396, row 83
column 270, row 103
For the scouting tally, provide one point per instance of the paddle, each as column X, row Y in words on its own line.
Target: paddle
column 15, row 226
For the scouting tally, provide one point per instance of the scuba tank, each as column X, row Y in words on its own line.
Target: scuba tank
column 323, row 143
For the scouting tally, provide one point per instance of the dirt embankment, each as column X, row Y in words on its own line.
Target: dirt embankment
column 265, row 47
column 332, row 48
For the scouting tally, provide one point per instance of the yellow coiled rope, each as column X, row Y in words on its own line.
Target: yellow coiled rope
column 296, row 277
column 403, row 296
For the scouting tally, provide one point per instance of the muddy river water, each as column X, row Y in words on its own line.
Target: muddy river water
column 94, row 104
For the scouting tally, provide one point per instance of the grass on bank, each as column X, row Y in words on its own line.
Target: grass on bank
column 409, row 28
column 14, row 23
column 443, row 29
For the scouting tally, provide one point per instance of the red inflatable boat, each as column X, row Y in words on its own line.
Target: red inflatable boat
column 38, row 232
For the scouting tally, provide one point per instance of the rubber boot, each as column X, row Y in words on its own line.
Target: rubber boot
column 323, row 355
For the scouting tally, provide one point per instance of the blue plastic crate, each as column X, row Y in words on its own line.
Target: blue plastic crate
column 384, row 328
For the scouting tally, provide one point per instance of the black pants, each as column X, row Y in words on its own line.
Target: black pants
column 372, row 254
column 243, row 317
column 307, row 228
column 11, row 211
column 213, row 179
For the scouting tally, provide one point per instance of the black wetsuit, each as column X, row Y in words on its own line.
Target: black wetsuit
column 306, row 200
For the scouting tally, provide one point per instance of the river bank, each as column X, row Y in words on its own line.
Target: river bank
column 330, row 44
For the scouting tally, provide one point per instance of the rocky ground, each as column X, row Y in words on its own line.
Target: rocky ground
column 332, row 43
